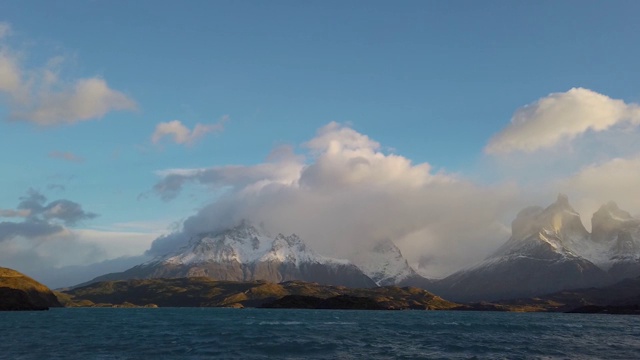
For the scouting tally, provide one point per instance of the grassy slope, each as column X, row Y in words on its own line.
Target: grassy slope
column 188, row 292
column 20, row 290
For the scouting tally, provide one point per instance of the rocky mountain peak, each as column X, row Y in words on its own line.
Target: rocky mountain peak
column 245, row 229
column 616, row 229
column 610, row 212
column 563, row 201
column 291, row 248
column 386, row 246
column 525, row 223
column 558, row 219
column 384, row 263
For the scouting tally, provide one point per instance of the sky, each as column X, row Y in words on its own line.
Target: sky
column 348, row 122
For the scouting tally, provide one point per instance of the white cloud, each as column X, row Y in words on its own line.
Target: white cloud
column 597, row 184
column 39, row 95
column 181, row 134
column 561, row 117
column 117, row 243
column 87, row 99
column 344, row 194
column 238, row 177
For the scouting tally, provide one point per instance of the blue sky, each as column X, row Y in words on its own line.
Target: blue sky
column 432, row 82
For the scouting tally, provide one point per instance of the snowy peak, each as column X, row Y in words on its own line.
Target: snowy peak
column 246, row 244
column 243, row 231
column 550, row 250
column 291, row 249
column 243, row 243
column 609, row 220
column 526, row 222
column 555, row 229
column 558, row 218
column 384, row 263
column 561, row 218
column 616, row 231
column 247, row 253
column 562, row 203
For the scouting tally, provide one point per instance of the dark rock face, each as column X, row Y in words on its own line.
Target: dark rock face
column 20, row 292
column 519, row 277
column 625, row 269
column 14, row 299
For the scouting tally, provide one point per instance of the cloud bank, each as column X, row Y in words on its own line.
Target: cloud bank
column 42, row 240
column 40, row 96
column 343, row 194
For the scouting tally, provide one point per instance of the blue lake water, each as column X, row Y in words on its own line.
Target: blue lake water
column 203, row 333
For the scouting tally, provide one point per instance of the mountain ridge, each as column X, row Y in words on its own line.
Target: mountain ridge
column 550, row 250
column 245, row 253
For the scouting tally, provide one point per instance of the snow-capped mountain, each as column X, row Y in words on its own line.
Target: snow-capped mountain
column 245, row 244
column 385, row 264
column 615, row 239
column 245, row 253
column 549, row 250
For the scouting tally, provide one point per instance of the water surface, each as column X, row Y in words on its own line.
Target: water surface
column 202, row 333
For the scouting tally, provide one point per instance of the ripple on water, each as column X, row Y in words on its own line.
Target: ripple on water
column 312, row 334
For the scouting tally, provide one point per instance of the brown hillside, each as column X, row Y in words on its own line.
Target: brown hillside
column 20, row 292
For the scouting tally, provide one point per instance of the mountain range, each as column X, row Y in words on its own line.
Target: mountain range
column 549, row 250
column 247, row 253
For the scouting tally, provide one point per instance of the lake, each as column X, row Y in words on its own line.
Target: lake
column 202, row 333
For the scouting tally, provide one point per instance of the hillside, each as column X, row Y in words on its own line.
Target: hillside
column 621, row 297
column 205, row 292
column 20, row 292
